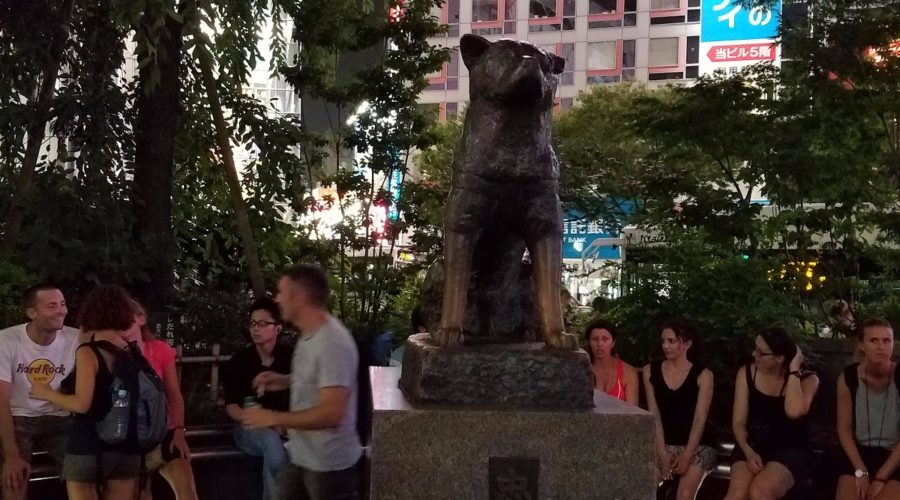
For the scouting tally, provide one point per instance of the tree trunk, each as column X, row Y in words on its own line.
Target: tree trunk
column 223, row 140
column 35, row 135
column 155, row 129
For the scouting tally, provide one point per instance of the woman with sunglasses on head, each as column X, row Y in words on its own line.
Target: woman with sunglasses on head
column 264, row 354
column 868, row 418
column 772, row 397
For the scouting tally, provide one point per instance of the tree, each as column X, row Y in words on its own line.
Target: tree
column 385, row 131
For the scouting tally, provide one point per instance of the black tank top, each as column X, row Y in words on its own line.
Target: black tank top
column 767, row 423
column 676, row 407
column 84, row 440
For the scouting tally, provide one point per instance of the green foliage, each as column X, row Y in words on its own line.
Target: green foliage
column 14, row 279
column 336, row 36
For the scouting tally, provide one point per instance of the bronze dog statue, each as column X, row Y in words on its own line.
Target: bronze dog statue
column 505, row 183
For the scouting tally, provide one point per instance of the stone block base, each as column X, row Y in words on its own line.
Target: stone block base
column 443, row 453
column 525, row 375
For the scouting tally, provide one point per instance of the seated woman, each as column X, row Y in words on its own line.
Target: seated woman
column 611, row 375
column 265, row 353
column 172, row 457
column 107, row 314
column 772, row 397
column 679, row 393
column 868, row 419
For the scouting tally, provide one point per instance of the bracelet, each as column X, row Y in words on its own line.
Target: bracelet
column 178, row 427
column 797, row 373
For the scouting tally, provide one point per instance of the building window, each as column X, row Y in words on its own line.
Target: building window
column 608, row 13
column 603, row 62
column 693, row 13
column 551, row 15
column 692, row 57
column 666, row 12
column 509, row 26
column 628, row 59
column 663, row 52
column 630, row 18
column 665, row 4
column 485, row 10
column 448, row 14
column 566, row 102
column 603, row 7
column 452, row 110
column 568, row 75
column 601, row 55
column 448, row 76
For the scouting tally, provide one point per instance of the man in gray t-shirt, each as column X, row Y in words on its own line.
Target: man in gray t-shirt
column 324, row 446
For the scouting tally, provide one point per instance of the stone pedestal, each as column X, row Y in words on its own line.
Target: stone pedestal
column 523, row 375
column 488, row 453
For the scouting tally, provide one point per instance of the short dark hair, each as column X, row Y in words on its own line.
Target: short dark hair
column 107, row 307
column 265, row 303
column 683, row 330
column 598, row 324
column 29, row 296
column 312, row 278
column 869, row 323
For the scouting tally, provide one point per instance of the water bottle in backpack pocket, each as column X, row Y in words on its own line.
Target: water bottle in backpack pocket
column 116, row 429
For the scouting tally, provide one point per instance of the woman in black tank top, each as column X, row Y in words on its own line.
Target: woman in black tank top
column 90, row 464
column 772, row 397
column 680, row 411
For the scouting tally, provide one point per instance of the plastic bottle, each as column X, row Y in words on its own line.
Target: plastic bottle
column 120, row 407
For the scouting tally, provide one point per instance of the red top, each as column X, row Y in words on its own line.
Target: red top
column 160, row 355
column 617, row 390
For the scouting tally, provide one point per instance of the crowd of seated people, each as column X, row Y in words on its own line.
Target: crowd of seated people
column 771, row 403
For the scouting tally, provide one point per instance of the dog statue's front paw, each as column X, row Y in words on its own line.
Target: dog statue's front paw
column 447, row 337
column 562, row 340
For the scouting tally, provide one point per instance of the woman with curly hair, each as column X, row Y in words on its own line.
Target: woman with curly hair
column 106, row 315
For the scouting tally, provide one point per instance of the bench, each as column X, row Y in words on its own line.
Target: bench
column 207, row 442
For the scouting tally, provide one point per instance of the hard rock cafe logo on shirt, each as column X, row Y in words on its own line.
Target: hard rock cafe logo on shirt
column 41, row 371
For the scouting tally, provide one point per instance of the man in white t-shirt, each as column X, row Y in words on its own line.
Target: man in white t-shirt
column 42, row 350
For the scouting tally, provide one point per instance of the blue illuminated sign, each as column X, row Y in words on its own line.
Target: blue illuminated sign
column 578, row 234
column 727, row 20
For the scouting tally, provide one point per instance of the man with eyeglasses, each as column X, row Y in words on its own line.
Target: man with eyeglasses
column 264, row 354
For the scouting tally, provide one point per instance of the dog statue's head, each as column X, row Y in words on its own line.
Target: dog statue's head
column 510, row 71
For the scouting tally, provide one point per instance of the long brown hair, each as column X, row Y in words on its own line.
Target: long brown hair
column 139, row 310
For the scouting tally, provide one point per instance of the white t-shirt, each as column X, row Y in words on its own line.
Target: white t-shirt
column 22, row 362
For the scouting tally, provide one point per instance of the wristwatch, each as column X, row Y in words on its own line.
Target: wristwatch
column 859, row 473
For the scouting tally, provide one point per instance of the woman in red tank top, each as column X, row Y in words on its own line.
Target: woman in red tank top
column 611, row 375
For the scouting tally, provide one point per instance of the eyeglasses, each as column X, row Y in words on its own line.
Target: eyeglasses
column 760, row 354
column 261, row 324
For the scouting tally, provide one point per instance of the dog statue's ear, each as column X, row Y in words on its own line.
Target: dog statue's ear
column 472, row 47
column 559, row 64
